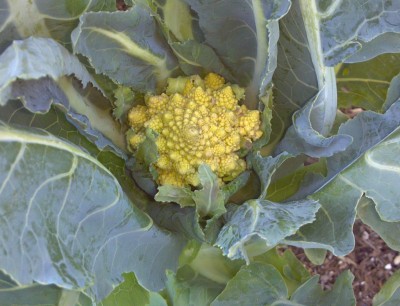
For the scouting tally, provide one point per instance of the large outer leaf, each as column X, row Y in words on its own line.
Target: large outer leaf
column 389, row 295
column 34, row 70
column 269, row 221
column 311, row 293
column 265, row 167
column 302, row 80
column 350, row 26
column 186, row 39
column 72, row 223
column 244, row 36
column 303, row 138
column 131, row 293
column 388, row 231
column 36, row 58
column 262, row 284
column 365, row 167
column 195, row 292
column 366, row 84
column 56, row 124
column 38, row 295
column 126, row 46
column 45, row 18
column 257, row 284
column 291, row 269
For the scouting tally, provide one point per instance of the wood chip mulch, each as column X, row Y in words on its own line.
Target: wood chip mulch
column 372, row 262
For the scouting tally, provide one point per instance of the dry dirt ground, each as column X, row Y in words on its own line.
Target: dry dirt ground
column 372, row 262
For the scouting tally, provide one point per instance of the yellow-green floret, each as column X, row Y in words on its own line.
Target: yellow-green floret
column 201, row 123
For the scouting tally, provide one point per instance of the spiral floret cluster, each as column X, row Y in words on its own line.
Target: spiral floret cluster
column 198, row 122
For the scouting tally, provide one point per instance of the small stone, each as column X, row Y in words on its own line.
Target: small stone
column 388, row 267
column 396, row 260
column 365, row 236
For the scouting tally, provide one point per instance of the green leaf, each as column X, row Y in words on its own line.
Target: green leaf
column 269, row 221
column 303, row 81
column 262, row 284
column 38, row 295
column 235, row 186
column 208, row 262
column 244, row 36
column 197, row 58
column 302, row 138
column 316, row 256
column 202, row 275
column 56, row 124
column 341, row 294
column 186, row 39
column 210, row 200
column 144, row 60
column 36, row 58
column 265, row 167
column 257, row 284
column 76, row 234
column 291, row 269
column 44, row 18
column 366, row 84
column 198, row 292
column 180, row 195
column 125, row 99
column 183, row 28
column 172, row 217
column 34, row 70
column 285, row 187
column 389, row 231
column 389, row 295
column 349, row 27
column 358, row 170
column 130, row 292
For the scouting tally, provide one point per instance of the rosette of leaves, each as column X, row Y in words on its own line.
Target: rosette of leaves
column 79, row 222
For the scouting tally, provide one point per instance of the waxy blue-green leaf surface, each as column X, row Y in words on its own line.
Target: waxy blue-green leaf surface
column 347, row 27
column 175, row 194
column 269, row 221
column 368, row 166
column 20, row 19
column 38, row 295
column 126, row 46
column 72, row 221
column 265, row 167
column 244, row 36
column 303, row 84
column 33, row 59
column 302, row 138
column 36, row 71
column 210, row 200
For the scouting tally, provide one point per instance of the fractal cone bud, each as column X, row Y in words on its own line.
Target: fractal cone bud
column 197, row 122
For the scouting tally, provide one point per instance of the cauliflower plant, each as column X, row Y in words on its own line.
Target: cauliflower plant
column 197, row 121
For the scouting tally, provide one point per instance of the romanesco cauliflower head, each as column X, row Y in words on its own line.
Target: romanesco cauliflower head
column 200, row 122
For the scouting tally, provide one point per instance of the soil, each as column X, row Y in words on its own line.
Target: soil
column 372, row 262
